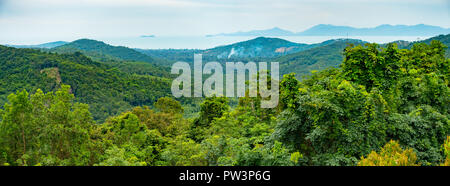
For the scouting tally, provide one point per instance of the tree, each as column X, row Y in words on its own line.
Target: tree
column 183, row 151
column 168, row 105
column 126, row 133
column 390, row 155
column 16, row 127
column 289, row 88
column 210, row 109
column 168, row 122
column 47, row 129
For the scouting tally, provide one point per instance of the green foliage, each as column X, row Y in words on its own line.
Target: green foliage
column 380, row 94
column 371, row 67
column 169, row 105
column 128, row 133
column 183, row 151
column 47, row 129
column 107, row 90
column 115, row 156
column 168, row 123
column 289, row 89
column 210, row 109
column 423, row 129
column 379, row 97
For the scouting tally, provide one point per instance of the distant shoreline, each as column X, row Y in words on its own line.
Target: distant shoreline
column 147, row 36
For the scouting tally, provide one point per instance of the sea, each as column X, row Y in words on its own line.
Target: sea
column 204, row 42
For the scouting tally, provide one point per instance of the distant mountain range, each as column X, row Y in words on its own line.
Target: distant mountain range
column 332, row 30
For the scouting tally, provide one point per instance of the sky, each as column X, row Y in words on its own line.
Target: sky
column 51, row 20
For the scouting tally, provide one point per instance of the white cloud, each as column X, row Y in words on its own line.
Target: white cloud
column 21, row 19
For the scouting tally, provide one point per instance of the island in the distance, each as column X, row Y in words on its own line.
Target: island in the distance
column 333, row 30
column 146, row 36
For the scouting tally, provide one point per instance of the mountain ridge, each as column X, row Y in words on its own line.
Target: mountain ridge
column 319, row 58
column 101, row 51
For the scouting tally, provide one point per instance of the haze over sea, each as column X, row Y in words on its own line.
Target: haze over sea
column 203, row 42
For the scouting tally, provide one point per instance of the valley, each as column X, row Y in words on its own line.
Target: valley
column 341, row 102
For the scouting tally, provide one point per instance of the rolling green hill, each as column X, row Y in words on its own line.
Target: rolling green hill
column 261, row 48
column 302, row 63
column 123, row 58
column 318, row 58
column 107, row 90
column 101, row 51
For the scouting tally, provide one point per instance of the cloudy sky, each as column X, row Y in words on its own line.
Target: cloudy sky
column 50, row 20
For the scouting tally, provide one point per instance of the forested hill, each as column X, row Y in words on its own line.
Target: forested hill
column 101, row 51
column 331, row 55
column 293, row 57
column 107, row 90
column 260, row 48
column 319, row 58
column 444, row 39
column 125, row 59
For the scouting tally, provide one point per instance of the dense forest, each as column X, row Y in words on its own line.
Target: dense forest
column 107, row 89
column 381, row 106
